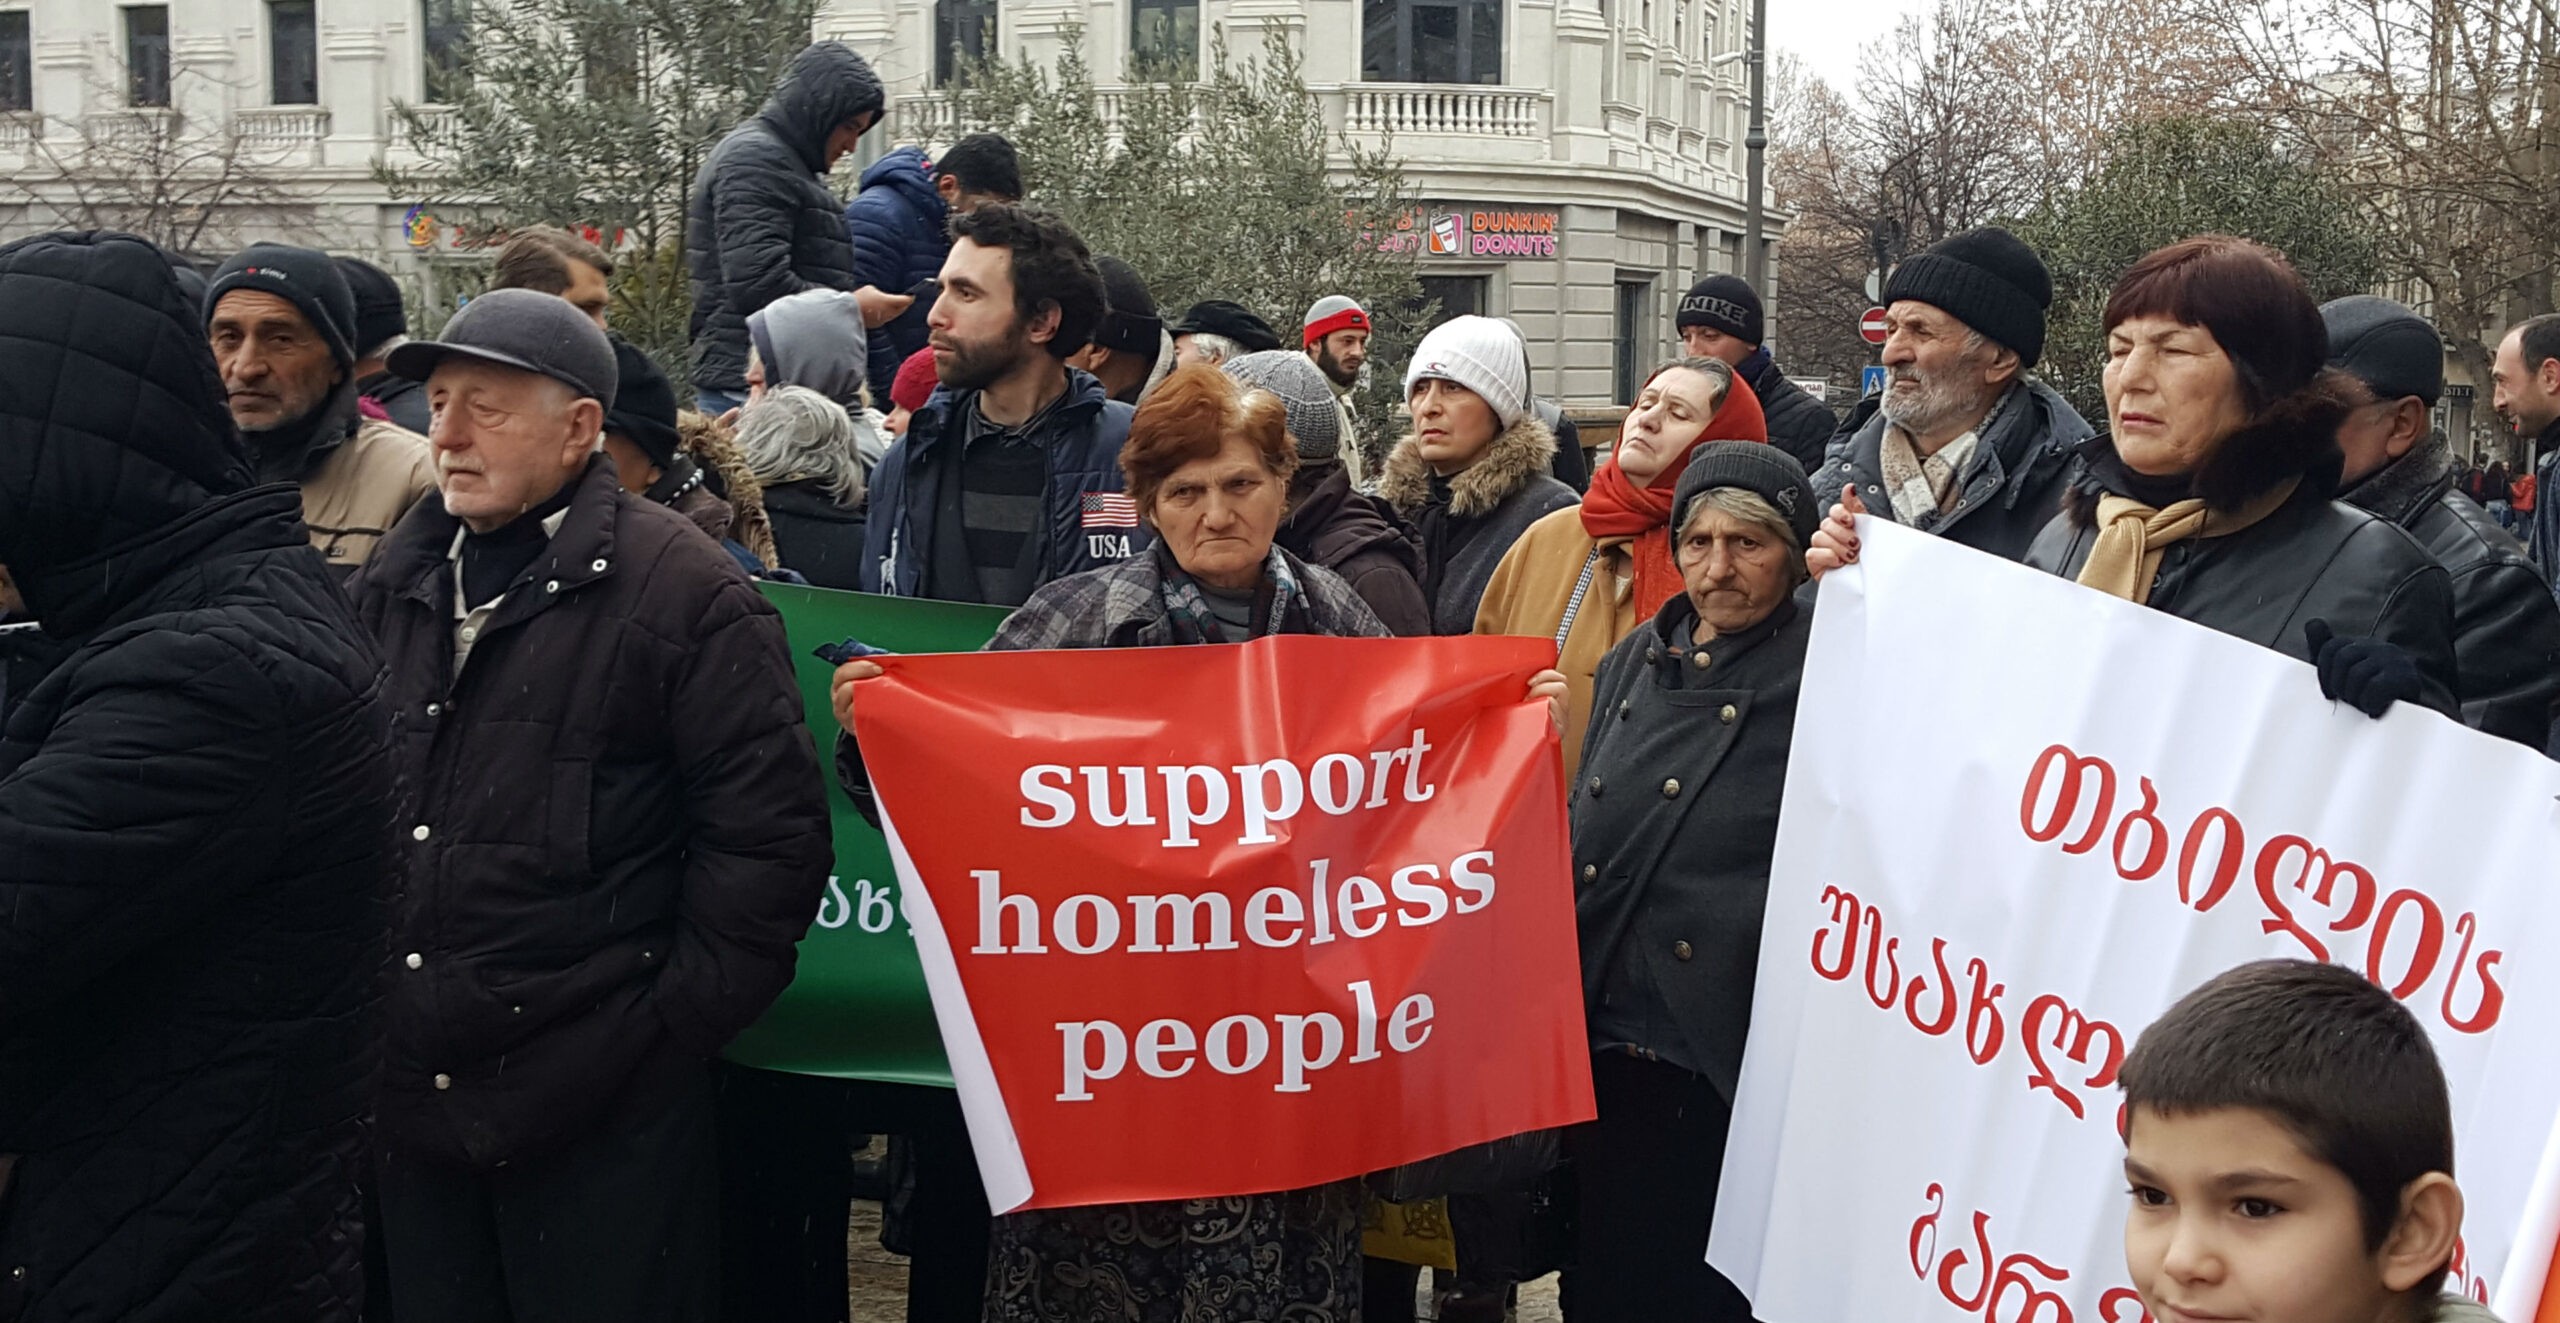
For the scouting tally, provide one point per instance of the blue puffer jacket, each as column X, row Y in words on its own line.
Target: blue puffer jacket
column 1082, row 436
column 896, row 222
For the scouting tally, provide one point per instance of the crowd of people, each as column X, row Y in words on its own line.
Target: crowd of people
column 406, row 795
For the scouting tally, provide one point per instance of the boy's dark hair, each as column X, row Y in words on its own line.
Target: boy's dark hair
column 2322, row 1052
column 537, row 258
column 983, row 163
column 1051, row 266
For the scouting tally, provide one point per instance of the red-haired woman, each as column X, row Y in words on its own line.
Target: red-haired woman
column 1208, row 463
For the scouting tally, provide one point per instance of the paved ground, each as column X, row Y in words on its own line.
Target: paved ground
column 880, row 1278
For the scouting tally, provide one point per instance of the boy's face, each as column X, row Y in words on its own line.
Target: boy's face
column 2232, row 1222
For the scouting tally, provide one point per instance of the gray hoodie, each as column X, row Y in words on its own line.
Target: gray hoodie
column 814, row 338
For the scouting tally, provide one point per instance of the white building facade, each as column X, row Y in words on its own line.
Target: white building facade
column 1581, row 161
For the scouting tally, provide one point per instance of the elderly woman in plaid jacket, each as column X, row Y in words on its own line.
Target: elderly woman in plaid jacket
column 1208, row 463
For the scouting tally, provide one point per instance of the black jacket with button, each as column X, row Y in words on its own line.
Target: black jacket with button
column 612, row 829
column 2506, row 627
column 2311, row 559
column 194, row 800
column 1675, row 819
column 2013, row 485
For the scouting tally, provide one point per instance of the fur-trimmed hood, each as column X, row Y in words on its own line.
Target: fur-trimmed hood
column 1521, row 452
column 2296, row 437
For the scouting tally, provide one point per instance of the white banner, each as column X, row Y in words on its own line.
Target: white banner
column 2023, row 818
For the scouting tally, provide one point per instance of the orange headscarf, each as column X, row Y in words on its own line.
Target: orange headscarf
column 1616, row 507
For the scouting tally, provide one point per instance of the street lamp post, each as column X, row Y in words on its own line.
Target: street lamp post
column 1756, row 143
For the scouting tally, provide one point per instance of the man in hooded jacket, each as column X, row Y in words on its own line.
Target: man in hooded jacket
column 762, row 224
column 194, row 818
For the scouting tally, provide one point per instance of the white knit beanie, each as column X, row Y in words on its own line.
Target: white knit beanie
column 1480, row 353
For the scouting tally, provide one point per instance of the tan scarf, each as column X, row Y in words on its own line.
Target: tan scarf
column 2132, row 537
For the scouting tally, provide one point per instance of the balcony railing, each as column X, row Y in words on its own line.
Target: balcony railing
column 19, row 131
column 282, row 128
column 1477, row 112
column 129, row 128
column 433, row 122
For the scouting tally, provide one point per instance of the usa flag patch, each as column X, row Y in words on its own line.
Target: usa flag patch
column 1110, row 510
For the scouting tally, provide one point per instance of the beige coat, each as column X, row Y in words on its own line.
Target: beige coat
column 1527, row 595
column 362, row 487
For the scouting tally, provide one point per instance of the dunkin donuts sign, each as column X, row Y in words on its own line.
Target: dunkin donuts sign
column 1456, row 230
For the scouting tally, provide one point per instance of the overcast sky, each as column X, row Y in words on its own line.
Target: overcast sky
column 1826, row 34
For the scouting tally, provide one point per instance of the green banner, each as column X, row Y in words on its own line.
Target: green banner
column 858, row 1007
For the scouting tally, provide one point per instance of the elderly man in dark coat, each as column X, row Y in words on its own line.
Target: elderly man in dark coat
column 2506, row 627
column 194, row 804
column 762, row 224
column 611, row 831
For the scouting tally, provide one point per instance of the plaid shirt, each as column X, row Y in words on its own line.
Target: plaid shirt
column 1122, row 606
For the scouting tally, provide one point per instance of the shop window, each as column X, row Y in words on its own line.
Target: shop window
column 1459, row 296
column 1431, row 41
column 1635, row 341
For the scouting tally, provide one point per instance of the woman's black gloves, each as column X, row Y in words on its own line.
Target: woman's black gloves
column 2366, row 674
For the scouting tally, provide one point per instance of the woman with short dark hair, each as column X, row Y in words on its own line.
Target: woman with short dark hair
column 2209, row 495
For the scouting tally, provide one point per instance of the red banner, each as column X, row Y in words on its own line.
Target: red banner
column 1221, row 920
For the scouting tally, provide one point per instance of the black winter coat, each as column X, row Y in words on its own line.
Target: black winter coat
column 1471, row 519
column 1359, row 538
column 1799, row 424
column 194, row 804
column 1675, row 820
column 2313, row 558
column 611, row 832
column 2013, row 485
column 813, row 536
column 762, row 224
column 2506, row 626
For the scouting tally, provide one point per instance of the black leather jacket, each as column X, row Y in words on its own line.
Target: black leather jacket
column 2506, row 626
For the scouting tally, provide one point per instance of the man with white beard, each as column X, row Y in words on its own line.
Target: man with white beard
column 1962, row 442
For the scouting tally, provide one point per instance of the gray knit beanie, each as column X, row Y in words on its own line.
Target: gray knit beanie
column 1315, row 421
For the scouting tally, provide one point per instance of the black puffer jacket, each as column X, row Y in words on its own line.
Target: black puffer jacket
column 2313, row 558
column 1799, row 424
column 2013, row 485
column 2506, row 627
column 1359, row 538
column 193, row 813
column 1468, row 521
column 611, row 834
column 814, row 536
column 762, row 224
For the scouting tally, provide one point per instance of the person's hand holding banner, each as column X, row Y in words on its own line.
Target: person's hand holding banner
column 1210, row 921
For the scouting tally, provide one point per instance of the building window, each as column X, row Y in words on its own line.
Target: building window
column 1635, row 298
column 146, row 55
column 446, row 29
column 1431, row 41
column 17, row 67
column 963, row 30
column 1164, row 38
column 1459, row 296
column 293, row 53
